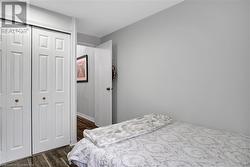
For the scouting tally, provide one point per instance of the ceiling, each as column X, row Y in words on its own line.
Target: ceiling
column 102, row 17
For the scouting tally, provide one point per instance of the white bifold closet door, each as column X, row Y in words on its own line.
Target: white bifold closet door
column 15, row 95
column 50, row 90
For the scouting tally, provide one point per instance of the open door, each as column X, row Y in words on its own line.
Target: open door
column 103, row 84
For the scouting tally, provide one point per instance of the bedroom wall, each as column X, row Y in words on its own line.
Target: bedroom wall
column 46, row 18
column 87, row 40
column 192, row 60
column 85, row 90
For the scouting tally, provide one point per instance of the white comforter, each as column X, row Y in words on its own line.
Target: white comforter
column 111, row 134
column 178, row 144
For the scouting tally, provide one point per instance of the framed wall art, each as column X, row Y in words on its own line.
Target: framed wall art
column 82, row 68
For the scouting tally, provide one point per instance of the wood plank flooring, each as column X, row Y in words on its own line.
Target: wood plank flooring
column 56, row 157
column 52, row 158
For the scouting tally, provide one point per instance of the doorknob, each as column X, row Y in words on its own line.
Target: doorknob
column 44, row 98
column 109, row 89
column 16, row 100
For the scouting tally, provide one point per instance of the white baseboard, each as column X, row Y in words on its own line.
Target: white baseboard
column 86, row 117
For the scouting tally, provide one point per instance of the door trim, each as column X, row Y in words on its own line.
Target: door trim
column 32, row 25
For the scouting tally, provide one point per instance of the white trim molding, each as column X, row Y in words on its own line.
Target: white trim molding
column 73, row 136
column 92, row 119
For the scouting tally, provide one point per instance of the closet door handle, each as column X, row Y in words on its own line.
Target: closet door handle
column 44, row 98
column 16, row 100
column 109, row 89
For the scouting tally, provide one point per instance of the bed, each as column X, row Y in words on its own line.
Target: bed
column 177, row 144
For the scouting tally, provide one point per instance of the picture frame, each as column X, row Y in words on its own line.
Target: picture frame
column 82, row 68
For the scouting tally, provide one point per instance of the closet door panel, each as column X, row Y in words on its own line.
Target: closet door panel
column 61, row 88
column 18, row 93
column 50, row 89
column 41, row 122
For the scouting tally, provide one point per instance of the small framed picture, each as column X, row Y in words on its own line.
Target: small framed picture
column 82, row 68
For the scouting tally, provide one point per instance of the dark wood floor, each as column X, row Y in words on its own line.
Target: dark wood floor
column 56, row 157
column 52, row 158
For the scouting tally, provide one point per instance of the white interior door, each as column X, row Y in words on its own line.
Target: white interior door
column 51, row 85
column 103, row 84
column 15, row 97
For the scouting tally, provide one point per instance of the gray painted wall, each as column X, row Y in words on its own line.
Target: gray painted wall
column 46, row 18
column 192, row 60
column 87, row 40
column 85, row 90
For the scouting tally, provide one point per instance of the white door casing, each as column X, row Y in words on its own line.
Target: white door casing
column 2, row 94
column 51, row 89
column 103, row 84
column 16, row 114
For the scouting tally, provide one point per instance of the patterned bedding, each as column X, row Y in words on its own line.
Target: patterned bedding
column 111, row 134
column 175, row 145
